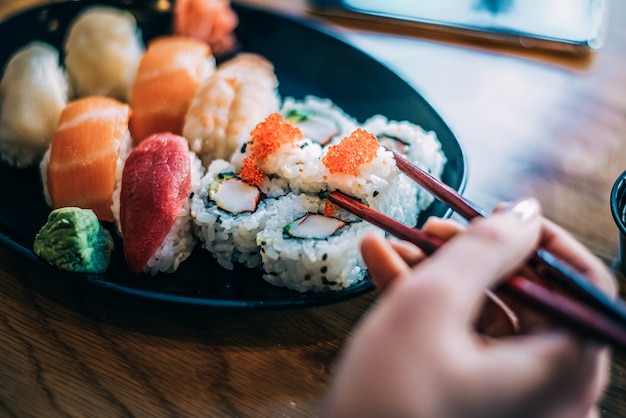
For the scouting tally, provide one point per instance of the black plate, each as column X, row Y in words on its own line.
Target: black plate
column 308, row 60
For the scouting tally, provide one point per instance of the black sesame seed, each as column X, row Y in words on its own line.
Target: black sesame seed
column 324, row 269
column 325, row 256
column 375, row 193
column 243, row 147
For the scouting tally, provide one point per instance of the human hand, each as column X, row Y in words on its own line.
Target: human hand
column 417, row 353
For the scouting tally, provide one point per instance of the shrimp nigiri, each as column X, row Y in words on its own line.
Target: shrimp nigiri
column 167, row 78
column 155, row 221
column 80, row 166
column 227, row 106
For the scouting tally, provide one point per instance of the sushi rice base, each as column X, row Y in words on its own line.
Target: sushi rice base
column 176, row 247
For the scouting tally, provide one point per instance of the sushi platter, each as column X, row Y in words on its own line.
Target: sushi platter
column 306, row 60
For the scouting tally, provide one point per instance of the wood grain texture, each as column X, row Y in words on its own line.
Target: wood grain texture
column 542, row 126
column 65, row 355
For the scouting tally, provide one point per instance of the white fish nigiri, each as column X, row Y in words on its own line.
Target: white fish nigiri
column 103, row 49
column 33, row 92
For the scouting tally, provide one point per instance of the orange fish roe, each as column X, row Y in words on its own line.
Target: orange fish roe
column 271, row 134
column 329, row 209
column 351, row 153
column 251, row 173
column 267, row 137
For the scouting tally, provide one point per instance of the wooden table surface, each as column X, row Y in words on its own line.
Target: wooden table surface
column 531, row 124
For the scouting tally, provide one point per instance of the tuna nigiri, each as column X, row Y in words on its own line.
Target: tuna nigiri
column 154, row 204
column 80, row 166
column 167, row 78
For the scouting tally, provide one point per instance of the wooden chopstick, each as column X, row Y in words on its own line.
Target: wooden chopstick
column 542, row 261
column 570, row 312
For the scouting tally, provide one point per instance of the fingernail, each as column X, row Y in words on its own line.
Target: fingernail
column 526, row 210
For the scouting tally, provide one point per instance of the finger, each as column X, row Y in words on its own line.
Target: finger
column 496, row 318
column 476, row 259
column 563, row 245
column 410, row 253
column 384, row 264
column 594, row 413
column 443, row 229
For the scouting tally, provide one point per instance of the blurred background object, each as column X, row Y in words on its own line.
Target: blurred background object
column 565, row 26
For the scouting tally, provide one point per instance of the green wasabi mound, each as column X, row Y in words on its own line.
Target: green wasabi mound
column 73, row 240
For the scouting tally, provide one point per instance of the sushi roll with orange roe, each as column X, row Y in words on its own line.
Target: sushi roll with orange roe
column 154, row 216
column 279, row 159
column 360, row 167
column 169, row 73
column 229, row 213
column 311, row 246
column 227, row 106
column 89, row 145
column 414, row 143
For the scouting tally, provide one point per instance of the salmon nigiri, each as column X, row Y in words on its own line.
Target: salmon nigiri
column 155, row 220
column 167, row 78
column 80, row 166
